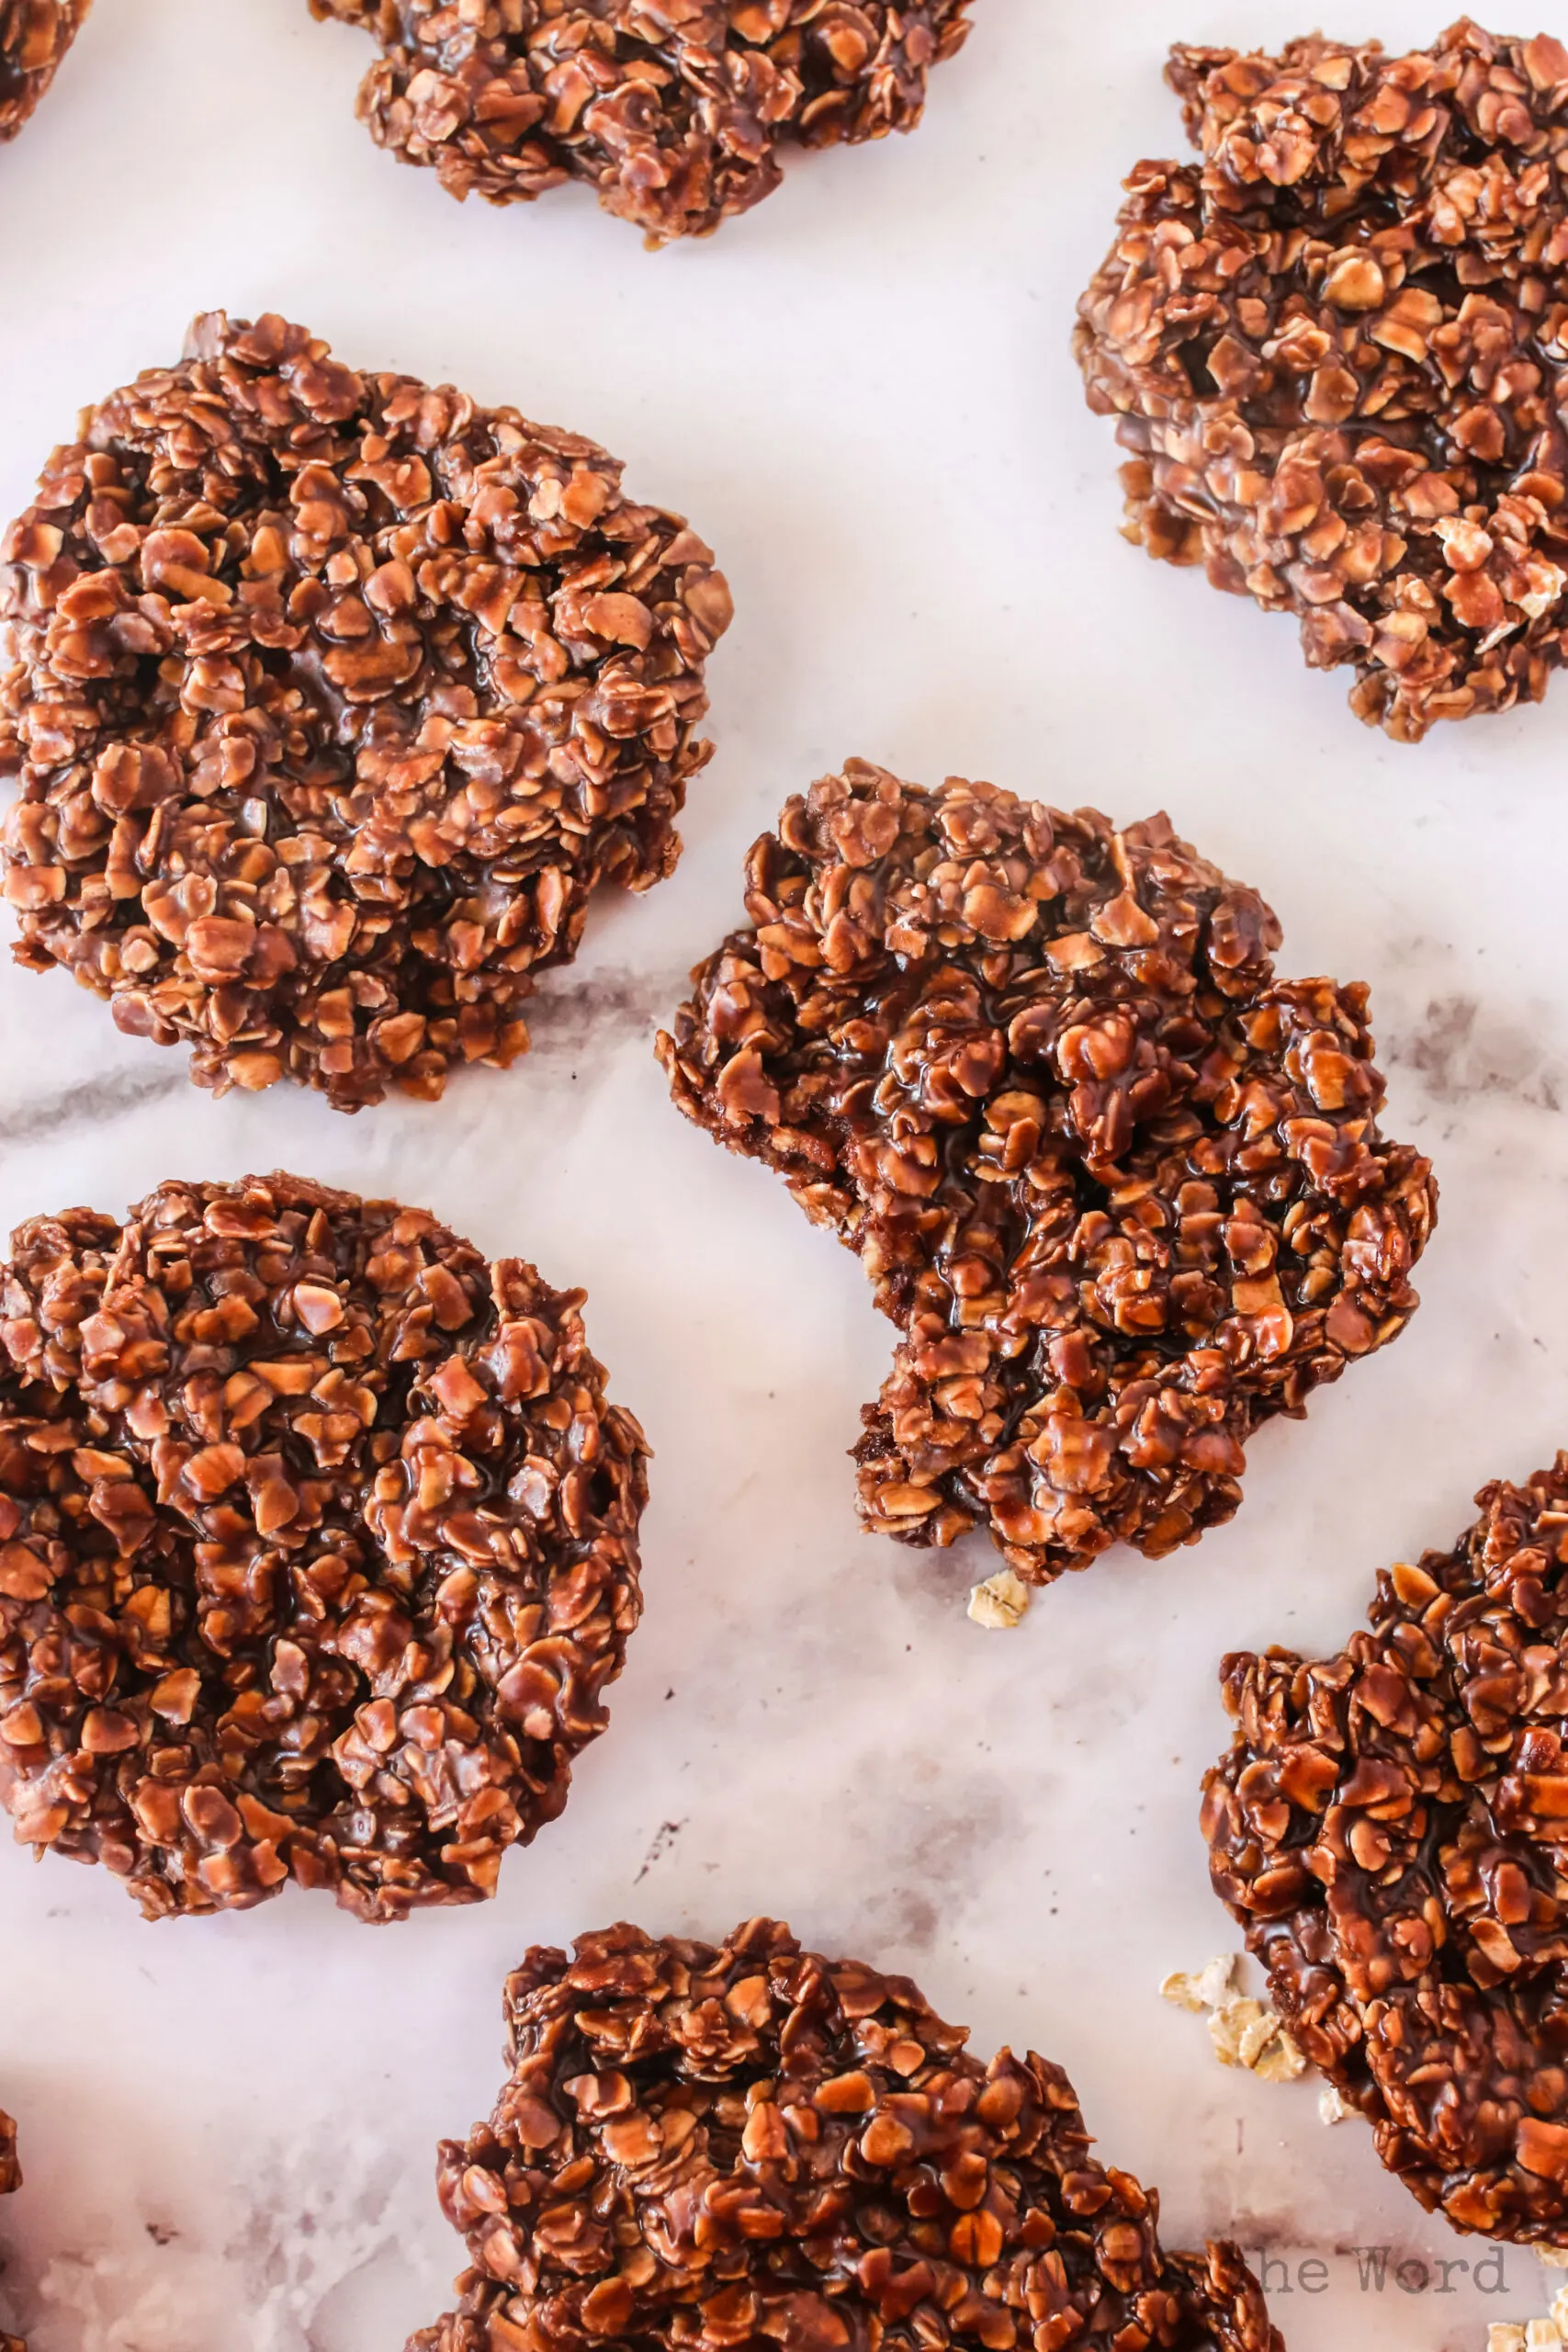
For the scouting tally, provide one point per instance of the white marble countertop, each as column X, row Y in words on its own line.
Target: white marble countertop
column 862, row 396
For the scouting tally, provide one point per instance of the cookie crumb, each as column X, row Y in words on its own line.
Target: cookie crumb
column 1000, row 1603
column 1243, row 2033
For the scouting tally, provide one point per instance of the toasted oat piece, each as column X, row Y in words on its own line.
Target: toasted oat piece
column 1244, row 2031
column 1123, row 1191
column 703, row 2146
column 1333, row 347
column 34, row 36
column 676, row 115
column 335, row 698
column 318, row 1548
column 1388, row 1827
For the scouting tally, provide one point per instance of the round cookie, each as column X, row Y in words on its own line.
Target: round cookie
column 1334, row 351
column 1122, row 1190
column 1390, row 1827
column 318, row 1548
column 706, row 2147
column 335, row 697
column 675, row 113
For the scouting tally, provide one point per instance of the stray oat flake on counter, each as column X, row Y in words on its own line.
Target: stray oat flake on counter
column 1243, row 2033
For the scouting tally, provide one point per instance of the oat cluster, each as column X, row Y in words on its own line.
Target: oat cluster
column 1336, row 350
column 334, row 697
column 1391, row 1827
column 704, row 2150
column 34, row 36
column 674, row 111
column 1123, row 1191
column 318, row 1547
column 1243, row 2031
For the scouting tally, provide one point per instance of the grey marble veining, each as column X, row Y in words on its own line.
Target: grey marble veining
column 861, row 397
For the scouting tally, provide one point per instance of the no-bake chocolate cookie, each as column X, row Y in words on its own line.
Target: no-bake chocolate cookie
column 318, row 1547
column 334, row 697
column 1336, row 350
column 674, row 111
column 34, row 36
column 1122, row 1190
column 1391, row 1827
column 751, row 2146
column 10, row 2178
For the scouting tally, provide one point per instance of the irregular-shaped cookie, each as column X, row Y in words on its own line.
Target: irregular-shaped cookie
column 1335, row 350
column 34, row 36
column 674, row 111
column 1124, row 1191
column 1390, row 1826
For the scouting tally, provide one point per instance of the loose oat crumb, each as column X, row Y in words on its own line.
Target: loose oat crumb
column 1243, row 2033
column 999, row 1602
column 1206, row 1989
column 1331, row 2107
column 676, row 116
column 1549, row 2334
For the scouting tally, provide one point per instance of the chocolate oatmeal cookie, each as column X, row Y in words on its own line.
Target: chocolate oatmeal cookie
column 1391, row 1827
column 675, row 111
column 1335, row 347
column 10, row 2178
column 334, row 697
column 318, row 1547
column 34, row 36
column 1122, row 1190
column 753, row 2145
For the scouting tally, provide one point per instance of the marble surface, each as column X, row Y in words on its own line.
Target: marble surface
column 862, row 396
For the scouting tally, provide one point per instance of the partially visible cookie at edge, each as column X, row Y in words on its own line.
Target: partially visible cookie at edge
column 1388, row 1827
column 676, row 116
column 10, row 2180
column 34, row 36
column 1333, row 345
column 706, row 2147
